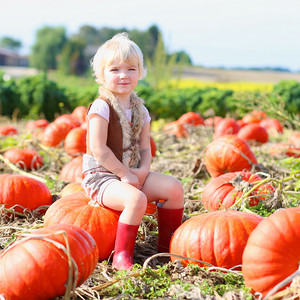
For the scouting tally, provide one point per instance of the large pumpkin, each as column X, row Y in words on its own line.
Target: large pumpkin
column 27, row 159
column 223, row 191
column 72, row 171
column 228, row 154
column 218, row 238
column 36, row 267
column 23, row 191
column 273, row 250
column 78, row 209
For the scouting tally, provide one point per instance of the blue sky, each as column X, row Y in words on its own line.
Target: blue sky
column 231, row 33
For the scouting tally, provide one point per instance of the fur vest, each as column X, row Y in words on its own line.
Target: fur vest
column 123, row 135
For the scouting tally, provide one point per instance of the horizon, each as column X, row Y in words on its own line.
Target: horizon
column 248, row 34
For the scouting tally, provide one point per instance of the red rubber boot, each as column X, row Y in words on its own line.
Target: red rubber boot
column 168, row 221
column 124, row 246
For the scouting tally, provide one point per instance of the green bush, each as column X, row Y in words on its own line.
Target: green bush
column 9, row 97
column 41, row 97
column 289, row 90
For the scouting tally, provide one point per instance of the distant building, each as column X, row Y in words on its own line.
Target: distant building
column 10, row 58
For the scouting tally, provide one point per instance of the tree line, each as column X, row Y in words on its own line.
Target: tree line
column 53, row 49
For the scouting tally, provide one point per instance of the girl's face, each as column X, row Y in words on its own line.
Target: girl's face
column 121, row 78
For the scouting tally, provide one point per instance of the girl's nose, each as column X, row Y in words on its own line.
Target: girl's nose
column 123, row 74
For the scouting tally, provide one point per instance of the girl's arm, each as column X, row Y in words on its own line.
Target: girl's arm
column 98, row 127
column 145, row 150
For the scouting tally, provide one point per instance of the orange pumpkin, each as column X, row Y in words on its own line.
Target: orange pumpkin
column 226, row 126
column 26, row 159
column 176, row 129
column 213, row 121
column 8, row 130
column 253, row 132
column 79, row 113
column 273, row 126
column 36, row 267
column 79, row 210
column 37, row 124
column 217, row 238
column 223, row 191
column 153, row 146
column 23, row 191
column 72, row 171
column 228, row 154
column 272, row 252
column 71, row 188
column 75, row 141
column 191, row 118
column 55, row 133
column 68, row 119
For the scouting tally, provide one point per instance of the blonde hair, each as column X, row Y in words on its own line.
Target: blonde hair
column 118, row 47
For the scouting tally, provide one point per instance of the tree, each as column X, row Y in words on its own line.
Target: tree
column 9, row 43
column 72, row 60
column 48, row 45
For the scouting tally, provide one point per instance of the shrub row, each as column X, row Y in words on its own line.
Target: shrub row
column 35, row 97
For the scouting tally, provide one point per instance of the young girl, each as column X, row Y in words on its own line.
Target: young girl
column 118, row 158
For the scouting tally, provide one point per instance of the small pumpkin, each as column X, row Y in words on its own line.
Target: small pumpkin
column 79, row 210
column 191, row 118
column 79, row 113
column 23, row 191
column 217, row 238
column 36, row 267
column 223, row 191
column 272, row 252
column 226, row 126
column 35, row 125
column 153, row 146
column 253, row 132
column 68, row 119
column 75, row 141
column 71, row 188
column 228, row 154
column 176, row 129
column 8, row 130
column 26, row 159
column 72, row 171
column 273, row 126
column 213, row 121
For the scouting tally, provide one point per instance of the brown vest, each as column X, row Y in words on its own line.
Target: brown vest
column 114, row 133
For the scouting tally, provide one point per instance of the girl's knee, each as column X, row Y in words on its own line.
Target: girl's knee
column 138, row 201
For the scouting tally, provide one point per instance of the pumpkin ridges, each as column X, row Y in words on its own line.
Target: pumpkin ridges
column 100, row 222
column 272, row 256
column 216, row 237
column 45, row 273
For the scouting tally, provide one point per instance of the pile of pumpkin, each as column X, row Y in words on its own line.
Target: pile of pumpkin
column 78, row 232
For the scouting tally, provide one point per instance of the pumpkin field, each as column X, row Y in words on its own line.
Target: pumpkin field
column 241, row 227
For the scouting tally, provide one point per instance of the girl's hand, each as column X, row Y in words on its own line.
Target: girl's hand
column 131, row 179
column 141, row 175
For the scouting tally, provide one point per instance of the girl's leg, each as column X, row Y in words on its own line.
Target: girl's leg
column 169, row 213
column 126, row 198
column 159, row 186
column 132, row 202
